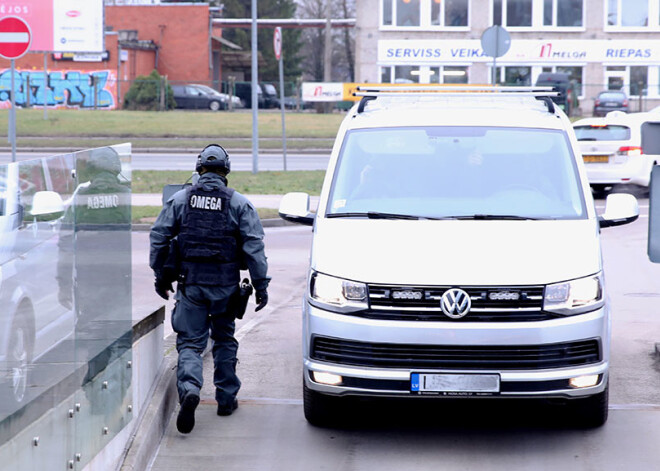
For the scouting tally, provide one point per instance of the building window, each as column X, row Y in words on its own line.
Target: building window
column 424, row 74
column 563, row 13
column 386, row 75
column 628, row 13
column 513, row 75
column 449, row 74
column 408, row 12
column 425, row 13
column 404, row 74
column 387, row 12
column 455, row 12
column 639, row 80
column 538, row 14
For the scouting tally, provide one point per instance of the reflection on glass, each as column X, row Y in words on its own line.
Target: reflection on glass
column 387, row 12
column 35, row 346
column 456, row 12
column 639, row 80
column 569, row 13
column 65, row 288
column 407, row 13
column 519, row 13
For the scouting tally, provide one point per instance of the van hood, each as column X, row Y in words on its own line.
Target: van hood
column 456, row 252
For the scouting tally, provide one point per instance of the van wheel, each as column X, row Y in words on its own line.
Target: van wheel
column 320, row 409
column 214, row 105
column 592, row 411
column 19, row 357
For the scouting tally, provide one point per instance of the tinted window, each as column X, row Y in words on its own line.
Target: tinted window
column 457, row 171
column 602, row 133
column 610, row 96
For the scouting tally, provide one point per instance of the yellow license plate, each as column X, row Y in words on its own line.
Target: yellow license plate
column 596, row 158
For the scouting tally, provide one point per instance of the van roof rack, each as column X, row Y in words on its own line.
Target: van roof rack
column 370, row 93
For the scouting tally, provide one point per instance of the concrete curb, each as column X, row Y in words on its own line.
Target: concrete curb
column 264, row 223
column 152, row 424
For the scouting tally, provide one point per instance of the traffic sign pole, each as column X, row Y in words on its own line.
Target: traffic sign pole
column 277, row 47
column 12, row 115
column 15, row 40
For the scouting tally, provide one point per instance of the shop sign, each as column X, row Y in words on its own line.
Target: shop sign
column 428, row 52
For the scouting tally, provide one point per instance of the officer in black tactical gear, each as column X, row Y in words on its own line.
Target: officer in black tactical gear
column 215, row 230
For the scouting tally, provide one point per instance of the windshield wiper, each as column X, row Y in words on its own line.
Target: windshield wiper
column 379, row 215
column 587, row 139
column 372, row 215
column 496, row 217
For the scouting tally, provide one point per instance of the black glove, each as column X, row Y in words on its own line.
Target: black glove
column 262, row 299
column 162, row 288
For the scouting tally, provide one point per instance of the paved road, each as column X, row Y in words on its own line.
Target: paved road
column 186, row 161
column 269, row 432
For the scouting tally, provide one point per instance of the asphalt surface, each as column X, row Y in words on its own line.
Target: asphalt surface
column 269, row 432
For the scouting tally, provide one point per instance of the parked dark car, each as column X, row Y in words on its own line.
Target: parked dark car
column 610, row 100
column 197, row 98
column 243, row 90
column 271, row 97
column 567, row 88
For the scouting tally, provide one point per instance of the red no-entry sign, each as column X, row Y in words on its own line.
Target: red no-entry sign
column 15, row 37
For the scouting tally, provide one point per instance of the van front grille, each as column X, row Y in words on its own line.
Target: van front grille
column 482, row 357
column 488, row 304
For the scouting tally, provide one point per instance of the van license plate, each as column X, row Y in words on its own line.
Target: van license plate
column 596, row 158
column 455, row 383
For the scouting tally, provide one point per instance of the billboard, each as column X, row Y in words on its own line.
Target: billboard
column 60, row 25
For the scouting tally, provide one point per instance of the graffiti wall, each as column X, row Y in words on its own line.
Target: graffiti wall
column 64, row 89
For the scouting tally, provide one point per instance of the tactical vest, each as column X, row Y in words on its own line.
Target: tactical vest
column 207, row 246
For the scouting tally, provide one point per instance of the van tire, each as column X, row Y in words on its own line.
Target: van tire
column 320, row 409
column 592, row 411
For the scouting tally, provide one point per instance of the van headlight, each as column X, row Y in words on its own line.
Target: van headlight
column 337, row 294
column 575, row 296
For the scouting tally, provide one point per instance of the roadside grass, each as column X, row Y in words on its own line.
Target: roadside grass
column 125, row 124
column 263, row 183
column 183, row 144
column 148, row 214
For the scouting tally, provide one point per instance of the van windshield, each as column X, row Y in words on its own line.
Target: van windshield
column 439, row 172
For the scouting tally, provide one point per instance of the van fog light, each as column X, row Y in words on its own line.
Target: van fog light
column 583, row 381
column 327, row 378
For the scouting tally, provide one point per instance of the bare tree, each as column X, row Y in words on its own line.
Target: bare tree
column 313, row 41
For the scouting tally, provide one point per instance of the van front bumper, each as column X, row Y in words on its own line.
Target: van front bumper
column 354, row 338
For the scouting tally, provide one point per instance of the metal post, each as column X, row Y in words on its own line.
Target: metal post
column 27, row 92
column 45, row 86
column 12, row 114
column 255, row 103
column 118, row 76
column 94, row 81
column 281, row 67
column 327, row 53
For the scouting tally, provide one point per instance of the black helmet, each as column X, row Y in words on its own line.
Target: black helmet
column 104, row 159
column 213, row 157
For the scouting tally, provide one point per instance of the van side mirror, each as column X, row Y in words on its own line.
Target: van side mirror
column 620, row 209
column 294, row 207
column 654, row 216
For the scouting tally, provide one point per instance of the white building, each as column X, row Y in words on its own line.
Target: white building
column 602, row 44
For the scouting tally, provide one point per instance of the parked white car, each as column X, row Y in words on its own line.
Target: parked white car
column 612, row 148
column 456, row 253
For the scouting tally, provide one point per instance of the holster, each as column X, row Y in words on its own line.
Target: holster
column 239, row 300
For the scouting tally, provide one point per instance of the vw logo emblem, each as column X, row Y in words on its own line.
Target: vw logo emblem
column 455, row 303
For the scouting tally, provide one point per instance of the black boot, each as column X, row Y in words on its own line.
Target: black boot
column 228, row 409
column 185, row 421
